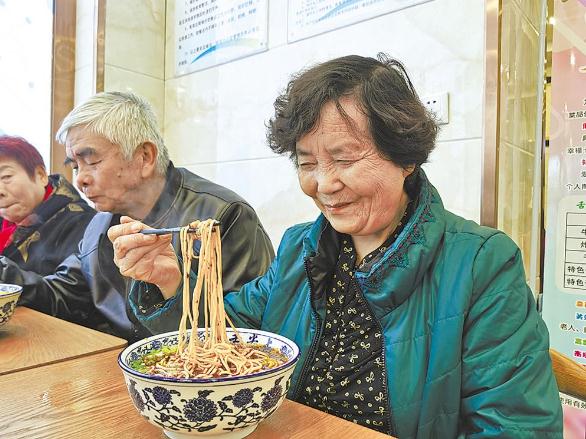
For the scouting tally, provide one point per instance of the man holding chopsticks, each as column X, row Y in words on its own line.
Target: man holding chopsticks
column 121, row 164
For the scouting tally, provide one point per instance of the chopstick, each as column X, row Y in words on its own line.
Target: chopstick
column 170, row 230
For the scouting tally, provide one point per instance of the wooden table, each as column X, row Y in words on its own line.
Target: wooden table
column 87, row 398
column 32, row 339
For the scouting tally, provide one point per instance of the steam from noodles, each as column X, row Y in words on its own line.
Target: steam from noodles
column 215, row 356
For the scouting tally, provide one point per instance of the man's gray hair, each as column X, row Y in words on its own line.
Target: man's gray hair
column 123, row 118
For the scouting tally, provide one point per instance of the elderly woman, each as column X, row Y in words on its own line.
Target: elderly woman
column 410, row 320
column 43, row 217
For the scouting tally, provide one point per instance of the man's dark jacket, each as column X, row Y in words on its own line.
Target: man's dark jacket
column 52, row 231
column 87, row 287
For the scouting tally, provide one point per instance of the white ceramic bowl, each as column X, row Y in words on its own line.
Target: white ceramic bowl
column 222, row 408
column 9, row 295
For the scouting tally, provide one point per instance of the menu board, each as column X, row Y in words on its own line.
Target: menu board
column 571, row 275
column 211, row 32
column 564, row 287
column 307, row 18
column 564, row 278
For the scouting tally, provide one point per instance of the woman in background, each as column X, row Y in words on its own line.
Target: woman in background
column 42, row 216
column 410, row 320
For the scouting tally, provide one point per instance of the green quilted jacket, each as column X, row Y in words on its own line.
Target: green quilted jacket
column 466, row 352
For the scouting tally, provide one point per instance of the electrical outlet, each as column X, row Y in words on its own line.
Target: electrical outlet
column 438, row 105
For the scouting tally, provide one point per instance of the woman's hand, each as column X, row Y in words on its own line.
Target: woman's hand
column 149, row 258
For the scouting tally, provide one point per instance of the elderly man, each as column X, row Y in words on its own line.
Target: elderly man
column 122, row 166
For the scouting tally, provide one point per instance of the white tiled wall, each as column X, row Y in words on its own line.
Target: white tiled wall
column 134, row 52
column 454, row 168
column 136, row 30
column 215, row 119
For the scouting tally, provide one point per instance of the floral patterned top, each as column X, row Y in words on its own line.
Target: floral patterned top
column 347, row 377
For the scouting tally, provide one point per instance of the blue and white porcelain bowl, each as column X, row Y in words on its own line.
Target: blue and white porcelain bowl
column 9, row 295
column 222, row 408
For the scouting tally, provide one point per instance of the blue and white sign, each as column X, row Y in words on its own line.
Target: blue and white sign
column 307, row 18
column 211, row 32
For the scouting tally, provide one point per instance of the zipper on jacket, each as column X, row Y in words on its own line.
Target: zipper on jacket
column 385, row 387
column 314, row 342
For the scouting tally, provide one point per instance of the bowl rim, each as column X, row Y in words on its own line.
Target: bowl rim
column 4, row 294
column 286, row 365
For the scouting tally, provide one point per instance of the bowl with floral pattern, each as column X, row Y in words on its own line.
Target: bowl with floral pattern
column 222, row 408
column 9, row 295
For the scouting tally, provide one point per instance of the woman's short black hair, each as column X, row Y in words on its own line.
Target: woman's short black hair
column 401, row 127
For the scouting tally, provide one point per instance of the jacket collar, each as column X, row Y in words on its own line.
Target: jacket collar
column 63, row 194
column 393, row 279
column 166, row 201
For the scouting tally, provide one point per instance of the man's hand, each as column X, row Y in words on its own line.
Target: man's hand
column 149, row 258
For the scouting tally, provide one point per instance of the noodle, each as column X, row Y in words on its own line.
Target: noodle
column 214, row 356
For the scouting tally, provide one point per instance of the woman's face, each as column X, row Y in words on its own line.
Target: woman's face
column 19, row 193
column 359, row 192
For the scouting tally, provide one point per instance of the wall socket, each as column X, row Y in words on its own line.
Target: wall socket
column 438, row 104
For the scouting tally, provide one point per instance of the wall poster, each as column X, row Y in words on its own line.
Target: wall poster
column 564, row 278
column 212, row 32
column 306, row 18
